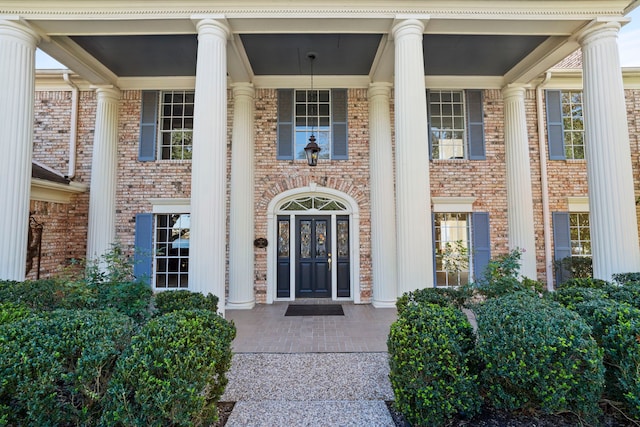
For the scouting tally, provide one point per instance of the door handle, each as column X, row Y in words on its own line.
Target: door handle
column 329, row 261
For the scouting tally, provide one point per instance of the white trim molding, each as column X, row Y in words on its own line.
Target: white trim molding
column 453, row 204
column 578, row 204
column 47, row 191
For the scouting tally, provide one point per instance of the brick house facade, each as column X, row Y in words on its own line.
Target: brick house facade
column 382, row 243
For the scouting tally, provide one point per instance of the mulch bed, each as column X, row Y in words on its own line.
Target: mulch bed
column 224, row 410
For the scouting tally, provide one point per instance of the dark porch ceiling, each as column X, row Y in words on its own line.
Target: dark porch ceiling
column 286, row 54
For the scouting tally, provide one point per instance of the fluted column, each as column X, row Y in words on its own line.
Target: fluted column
column 17, row 65
column 383, row 216
column 208, row 167
column 519, row 193
column 413, row 199
column 104, row 167
column 614, row 230
column 241, row 227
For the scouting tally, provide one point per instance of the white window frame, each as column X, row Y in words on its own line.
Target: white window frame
column 176, row 206
column 186, row 132
column 568, row 133
column 451, row 143
column 312, row 123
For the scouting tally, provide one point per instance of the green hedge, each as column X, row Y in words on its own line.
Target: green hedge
column 173, row 373
column 55, row 366
column 10, row 312
column 537, row 355
column 168, row 301
column 429, row 349
column 570, row 296
column 445, row 297
column 616, row 326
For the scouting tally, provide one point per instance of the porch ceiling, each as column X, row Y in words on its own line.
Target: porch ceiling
column 508, row 41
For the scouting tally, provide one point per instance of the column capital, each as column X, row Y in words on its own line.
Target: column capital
column 20, row 30
column 111, row 92
column 380, row 89
column 409, row 25
column 514, row 90
column 243, row 89
column 215, row 25
column 599, row 31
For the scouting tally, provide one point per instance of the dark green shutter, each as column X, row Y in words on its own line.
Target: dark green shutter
column 285, row 150
column 475, row 124
column 561, row 242
column 481, row 243
column 143, row 256
column 555, row 127
column 148, row 126
column 340, row 149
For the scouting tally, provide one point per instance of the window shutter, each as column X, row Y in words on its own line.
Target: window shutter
column 561, row 242
column 555, row 127
column 481, row 243
column 475, row 125
column 143, row 243
column 148, row 126
column 285, row 150
column 429, row 126
column 340, row 149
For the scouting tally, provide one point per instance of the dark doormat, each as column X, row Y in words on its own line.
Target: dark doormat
column 314, row 310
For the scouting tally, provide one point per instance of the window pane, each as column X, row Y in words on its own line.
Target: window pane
column 573, row 122
column 447, row 125
column 452, row 255
column 176, row 125
column 313, row 114
column 172, row 250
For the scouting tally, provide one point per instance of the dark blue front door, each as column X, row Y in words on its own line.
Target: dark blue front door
column 313, row 255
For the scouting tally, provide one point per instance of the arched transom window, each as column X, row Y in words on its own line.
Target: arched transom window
column 319, row 203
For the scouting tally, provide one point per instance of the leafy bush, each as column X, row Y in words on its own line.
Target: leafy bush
column 169, row 301
column 624, row 278
column 173, row 373
column 538, row 355
column 10, row 312
column 628, row 293
column 616, row 326
column 446, row 297
column 570, row 296
column 55, row 366
column 41, row 295
column 130, row 298
column 429, row 349
column 584, row 282
column 501, row 277
column 574, row 267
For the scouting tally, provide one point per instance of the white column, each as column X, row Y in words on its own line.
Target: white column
column 413, row 200
column 614, row 230
column 104, row 167
column 17, row 64
column 383, row 216
column 241, row 227
column 519, row 193
column 209, row 164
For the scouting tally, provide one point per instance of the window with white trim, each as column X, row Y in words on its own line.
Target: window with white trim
column 573, row 122
column 313, row 115
column 176, row 125
column 580, row 234
column 452, row 243
column 447, row 124
column 171, row 251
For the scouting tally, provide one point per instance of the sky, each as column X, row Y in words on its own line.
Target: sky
column 628, row 41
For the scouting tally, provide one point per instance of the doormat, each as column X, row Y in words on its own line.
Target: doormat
column 314, row 310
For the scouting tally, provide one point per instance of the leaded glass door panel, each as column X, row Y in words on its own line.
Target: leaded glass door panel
column 313, row 257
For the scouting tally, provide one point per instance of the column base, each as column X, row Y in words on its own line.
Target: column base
column 384, row 304
column 248, row 305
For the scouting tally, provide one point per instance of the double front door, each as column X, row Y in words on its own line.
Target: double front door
column 319, row 257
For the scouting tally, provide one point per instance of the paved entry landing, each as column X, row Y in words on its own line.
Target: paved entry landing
column 265, row 329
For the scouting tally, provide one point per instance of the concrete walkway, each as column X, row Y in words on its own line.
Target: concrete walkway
column 298, row 371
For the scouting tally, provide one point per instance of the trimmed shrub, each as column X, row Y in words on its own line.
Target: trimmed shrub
column 41, row 295
column 628, row 293
column 55, row 366
column 169, row 301
column 571, row 296
column 429, row 349
column 10, row 312
column 624, row 278
column 616, row 326
column 130, row 298
column 584, row 282
column 538, row 356
column 173, row 373
column 446, row 297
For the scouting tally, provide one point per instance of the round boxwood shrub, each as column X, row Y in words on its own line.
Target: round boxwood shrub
column 538, row 355
column 173, row 373
column 55, row 366
column 570, row 296
column 168, row 301
column 616, row 326
column 429, row 349
column 437, row 296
